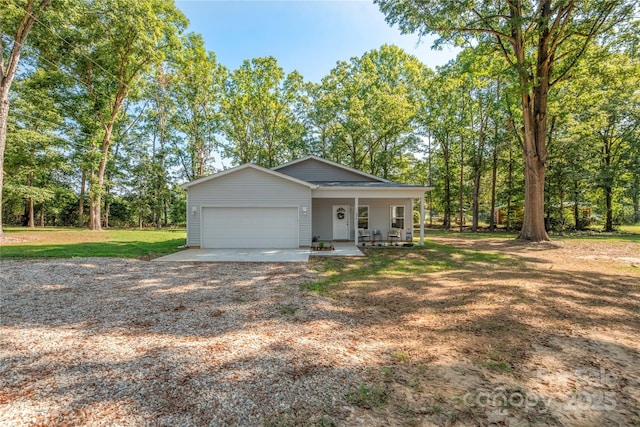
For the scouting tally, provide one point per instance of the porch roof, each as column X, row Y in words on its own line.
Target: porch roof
column 375, row 190
column 364, row 184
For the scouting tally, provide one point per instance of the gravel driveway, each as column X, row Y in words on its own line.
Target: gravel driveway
column 438, row 336
column 100, row 341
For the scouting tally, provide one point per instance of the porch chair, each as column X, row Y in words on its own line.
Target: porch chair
column 363, row 234
column 394, row 233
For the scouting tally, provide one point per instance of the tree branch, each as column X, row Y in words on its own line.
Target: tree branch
column 483, row 31
column 505, row 52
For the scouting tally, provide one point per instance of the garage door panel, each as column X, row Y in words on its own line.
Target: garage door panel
column 252, row 227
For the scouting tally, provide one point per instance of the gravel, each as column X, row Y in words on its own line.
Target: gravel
column 99, row 341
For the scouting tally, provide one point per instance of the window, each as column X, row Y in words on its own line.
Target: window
column 363, row 217
column 397, row 217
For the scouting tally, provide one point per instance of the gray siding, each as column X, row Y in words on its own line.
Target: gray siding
column 323, row 217
column 379, row 215
column 248, row 187
column 314, row 170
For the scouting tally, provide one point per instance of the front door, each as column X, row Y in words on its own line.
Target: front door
column 340, row 222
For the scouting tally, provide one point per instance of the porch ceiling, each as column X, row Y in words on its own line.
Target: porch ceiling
column 369, row 192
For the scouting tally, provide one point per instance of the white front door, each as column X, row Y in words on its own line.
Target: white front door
column 340, row 222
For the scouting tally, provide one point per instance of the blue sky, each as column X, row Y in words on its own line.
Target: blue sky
column 303, row 35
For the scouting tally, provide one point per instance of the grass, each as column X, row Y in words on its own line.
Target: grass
column 631, row 229
column 73, row 242
column 394, row 262
column 500, row 234
column 367, row 396
column 630, row 233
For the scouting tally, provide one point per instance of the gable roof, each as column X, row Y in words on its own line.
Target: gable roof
column 334, row 164
column 186, row 186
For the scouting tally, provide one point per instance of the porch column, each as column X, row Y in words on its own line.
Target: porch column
column 355, row 220
column 422, row 219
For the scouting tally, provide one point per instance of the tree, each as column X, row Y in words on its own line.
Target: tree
column 541, row 40
column 34, row 153
column 107, row 50
column 259, row 109
column 439, row 115
column 609, row 117
column 195, row 84
column 364, row 112
column 17, row 22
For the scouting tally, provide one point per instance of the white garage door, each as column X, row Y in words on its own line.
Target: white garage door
column 250, row 227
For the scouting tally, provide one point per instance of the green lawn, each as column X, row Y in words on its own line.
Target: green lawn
column 500, row 234
column 73, row 242
column 400, row 264
column 629, row 233
column 633, row 229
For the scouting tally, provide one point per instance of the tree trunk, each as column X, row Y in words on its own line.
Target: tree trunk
column 534, row 146
column 165, row 212
column 608, row 200
column 461, row 183
column 477, row 175
column 509, row 187
column 494, row 167
column 561, row 194
column 476, row 199
column 548, row 215
column 107, row 207
column 96, row 213
column 447, row 185
column 534, row 112
column 5, row 84
column 96, row 193
column 607, row 183
column 494, row 181
column 83, row 183
column 576, row 207
column 533, row 224
column 8, row 71
column 636, row 199
column 430, row 184
column 31, row 223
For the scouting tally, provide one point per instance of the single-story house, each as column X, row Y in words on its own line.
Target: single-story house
column 249, row 206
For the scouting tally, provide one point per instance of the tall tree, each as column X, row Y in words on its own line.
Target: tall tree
column 107, row 50
column 609, row 118
column 261, row 125
column 195, row 82
column 365, row 110
column 35, row 151
column 18, row 18
column 542, row 40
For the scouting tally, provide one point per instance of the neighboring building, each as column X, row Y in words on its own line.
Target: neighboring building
column 285, row 207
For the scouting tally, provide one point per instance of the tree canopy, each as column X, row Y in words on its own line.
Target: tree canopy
column 533, row 127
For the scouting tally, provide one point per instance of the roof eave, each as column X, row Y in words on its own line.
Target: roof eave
column 217, row 175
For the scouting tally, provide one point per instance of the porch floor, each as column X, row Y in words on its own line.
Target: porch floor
column 340, row 249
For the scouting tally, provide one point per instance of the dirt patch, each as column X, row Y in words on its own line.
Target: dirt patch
column 58, row 237
column 487, row 332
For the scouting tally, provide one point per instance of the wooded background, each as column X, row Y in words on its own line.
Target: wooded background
column 113, row 104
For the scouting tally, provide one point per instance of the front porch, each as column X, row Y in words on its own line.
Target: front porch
column 375, row 220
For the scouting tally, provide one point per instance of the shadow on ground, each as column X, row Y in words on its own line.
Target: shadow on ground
column 441, row 335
